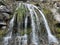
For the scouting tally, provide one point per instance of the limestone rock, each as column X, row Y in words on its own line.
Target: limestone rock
column 57, row 18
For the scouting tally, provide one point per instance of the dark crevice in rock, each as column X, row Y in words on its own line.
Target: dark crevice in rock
column 57, row 25
column 22, row 0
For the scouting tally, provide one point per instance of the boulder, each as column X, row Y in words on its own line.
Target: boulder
column 2, row 25
column 57, row 18
column 4, row 9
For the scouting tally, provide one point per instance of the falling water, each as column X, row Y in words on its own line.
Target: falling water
column 51, row 38
column 8, row 36
column 34, row 38
column 26, row 24
column 38, row 26
column 25, row 35
column 37, row 19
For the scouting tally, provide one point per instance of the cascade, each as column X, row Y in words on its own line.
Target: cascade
column 35, row 23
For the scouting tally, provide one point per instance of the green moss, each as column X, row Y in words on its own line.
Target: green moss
column 28, row 31
column 57, row 30
column 50, row 18
column 58, row 35
column 2, row 32
column 21, row 12
column 46, row 11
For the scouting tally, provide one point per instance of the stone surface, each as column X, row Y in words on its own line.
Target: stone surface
column 56, row 15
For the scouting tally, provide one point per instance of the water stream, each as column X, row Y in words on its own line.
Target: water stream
column 51, row 38
column 9, row 35
column 34, row 34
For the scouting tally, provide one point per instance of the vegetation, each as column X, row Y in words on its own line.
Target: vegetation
column 52, row 23
column 50, row 19
column 20, row 12
column 46, row 11
column 3, row 33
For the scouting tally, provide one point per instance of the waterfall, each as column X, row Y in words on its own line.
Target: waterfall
column 34, row 36
column 8, row 36
column 24, row 40
column 35, row 23
column 38, row 25
column 51, row 38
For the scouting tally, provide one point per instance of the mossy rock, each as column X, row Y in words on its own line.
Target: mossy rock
column 50, row 18
column 58, row 35
column 46, row 11
column 21, row 12
column 2, row 33
column 57, row 30
column 28, row 31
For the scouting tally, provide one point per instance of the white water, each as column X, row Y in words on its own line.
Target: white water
column 51, row 38
column 38, row 26
column 37, row 18
column 24, row 41
column 34, row 36
column 18, row 39
column 26, row 23
column 8, row 36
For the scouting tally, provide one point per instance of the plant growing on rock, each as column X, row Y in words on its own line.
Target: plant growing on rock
column 21, row 13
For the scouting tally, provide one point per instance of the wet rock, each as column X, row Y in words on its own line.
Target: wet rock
column 1, row 17
column 58, row 4
column 1, row 3
column 57, row 18
column 4, row 27
column 2, row 24
column 6, row 17
column 54, row 44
